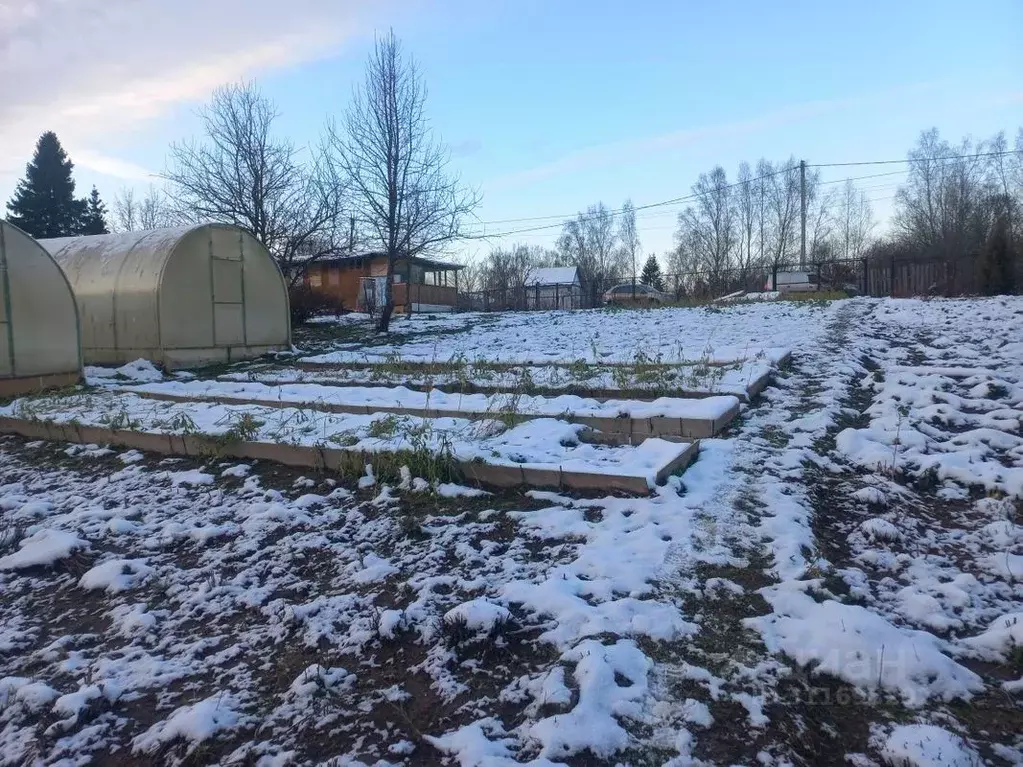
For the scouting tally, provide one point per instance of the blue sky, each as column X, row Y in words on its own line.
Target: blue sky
column 549, row 106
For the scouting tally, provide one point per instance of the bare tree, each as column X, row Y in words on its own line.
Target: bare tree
column 747, row 210
column 471, row 279
column 133, row 214
column 821, row 222
column 855, row 221
column 708, row 227
column 942, row 209
column 242, row 173
column 405, row 199
column 590, row 243
column 629, row 237
column 505, row 273
column 781, row 189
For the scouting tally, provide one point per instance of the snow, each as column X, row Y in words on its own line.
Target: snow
column 923, row 745
column 116, row 575
column 544, row 444
column 194, row 723
column 287, row 616
column 22, row 691
column 366, row 399
column 44, row 547
column 138, row 371
column 1003, row 636
column 593, row 724
column 478, row 615
column 762, row 331
column 725, row 378
column 862, row 648
column 451, row 490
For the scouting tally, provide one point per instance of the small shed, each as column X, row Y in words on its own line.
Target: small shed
column 553, row 287
column 179, row 297
column 39, row 341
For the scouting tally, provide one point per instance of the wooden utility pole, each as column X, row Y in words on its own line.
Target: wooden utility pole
column 802, row 214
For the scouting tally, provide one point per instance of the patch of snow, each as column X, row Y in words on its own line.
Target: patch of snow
column 479, row 615
column 451, row 490
column 116, row 575
column 924, row 745
column 861, row 647
column 43, row 547
column 194, row 723
column 1004, row 635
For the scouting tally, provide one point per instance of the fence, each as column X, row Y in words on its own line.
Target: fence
column 885, row 277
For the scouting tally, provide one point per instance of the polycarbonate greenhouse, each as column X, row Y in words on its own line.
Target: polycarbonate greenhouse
column 39, row 342
column 179, row 297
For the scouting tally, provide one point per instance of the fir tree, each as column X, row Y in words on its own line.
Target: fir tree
column 44, row 203
column 652, row 274
column 95, row 220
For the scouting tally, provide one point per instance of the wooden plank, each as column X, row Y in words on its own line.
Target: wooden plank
column 334, row 459
column 14, row 387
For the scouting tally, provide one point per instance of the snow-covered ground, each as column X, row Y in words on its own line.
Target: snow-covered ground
column 838, row 580
column 670, row 335
column 370, row 397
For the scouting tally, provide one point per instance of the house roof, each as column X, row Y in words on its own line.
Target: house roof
column 552, row 275
column 426, row 263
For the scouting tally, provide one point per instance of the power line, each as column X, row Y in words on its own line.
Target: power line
column 618, row 211
column 912, row 159
column 561, row 220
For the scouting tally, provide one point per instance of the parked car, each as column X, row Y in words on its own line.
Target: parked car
column 636, row 295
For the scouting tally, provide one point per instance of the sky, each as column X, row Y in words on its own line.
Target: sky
column 548, row 107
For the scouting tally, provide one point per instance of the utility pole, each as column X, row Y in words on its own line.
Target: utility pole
column 351, row 236
column 802, row 214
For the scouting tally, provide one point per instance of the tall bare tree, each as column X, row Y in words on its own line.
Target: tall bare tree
column 942, row 208
column 629, row 237
column 747, row 212
column 590, row 243
column 242, row 173
column 855, row 221
column 134, row 214
column 406, row 201
column 781, row 189
column 708, row 226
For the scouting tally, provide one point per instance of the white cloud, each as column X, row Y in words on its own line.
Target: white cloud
column 111, row 166
column 93, row 70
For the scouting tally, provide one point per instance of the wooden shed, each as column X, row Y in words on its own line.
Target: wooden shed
column 420, row 284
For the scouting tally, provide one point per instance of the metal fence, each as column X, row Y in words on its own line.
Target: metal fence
column 875, row 277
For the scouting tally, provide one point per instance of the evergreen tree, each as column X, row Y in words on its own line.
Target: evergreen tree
column 652, row 274
column 95, row 220
column 44, row 203
column 998, row 262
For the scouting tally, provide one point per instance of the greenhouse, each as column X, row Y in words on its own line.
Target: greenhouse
column 39, row 342
column 179, row 297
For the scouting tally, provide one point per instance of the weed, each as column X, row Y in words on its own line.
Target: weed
column 385, row 427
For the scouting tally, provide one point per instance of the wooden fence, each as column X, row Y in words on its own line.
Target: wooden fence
column 939, row 277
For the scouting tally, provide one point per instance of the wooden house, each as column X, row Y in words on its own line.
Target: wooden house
column 420, row 284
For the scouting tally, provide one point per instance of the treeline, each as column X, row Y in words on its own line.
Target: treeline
column 377, row 180
column 962, row 203
column 957, row 202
